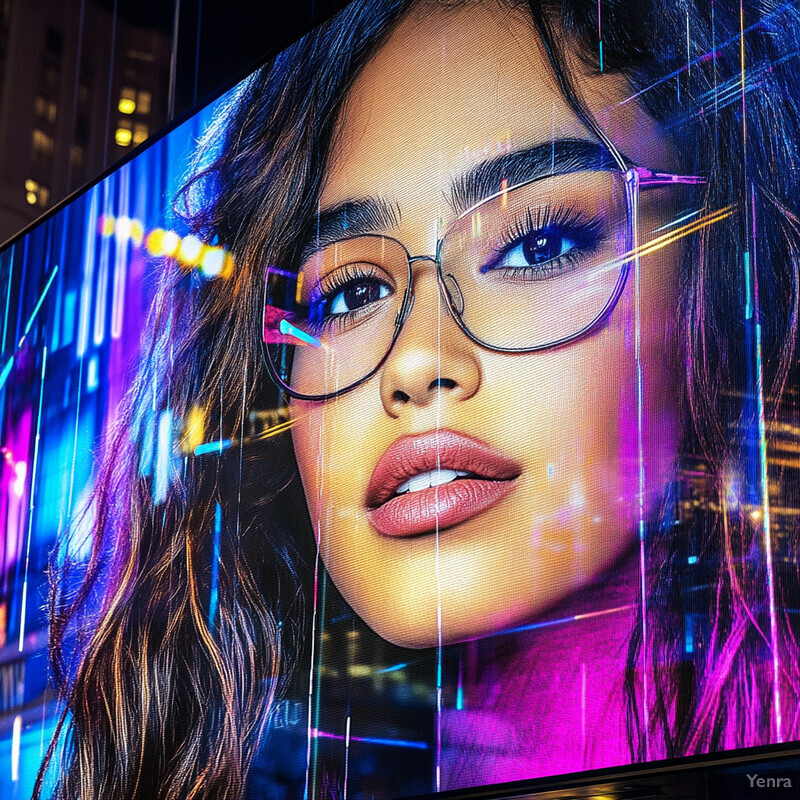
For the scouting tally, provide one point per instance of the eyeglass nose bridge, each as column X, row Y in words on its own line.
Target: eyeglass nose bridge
column 449, row 290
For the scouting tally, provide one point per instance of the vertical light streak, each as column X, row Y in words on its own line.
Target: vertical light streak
column 600, row 35
column 120, row 256
column 214, row 601
column 88, row 274
column 346, row 756
column 311, row 731
column 460, row 687
column 101, row 302
column 765, row 506
column 437, row 561
column 16, row 737
column 8, row 297
column 583, row 705
column 163, row 456
column 688, row 47
column 632, row 191
column 716, row 89
column 316, row 622
column 32, row 503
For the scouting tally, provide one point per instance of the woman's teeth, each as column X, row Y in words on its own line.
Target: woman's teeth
column 434, row 477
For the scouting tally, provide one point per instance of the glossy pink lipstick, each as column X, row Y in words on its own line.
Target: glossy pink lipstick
column 441, row 478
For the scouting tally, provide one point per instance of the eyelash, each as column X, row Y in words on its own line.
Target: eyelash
column 587, row 232
column 337, row 281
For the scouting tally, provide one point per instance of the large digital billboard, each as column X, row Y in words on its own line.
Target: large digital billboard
column 421, row 415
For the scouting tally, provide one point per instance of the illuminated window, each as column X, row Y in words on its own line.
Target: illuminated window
column 42, row 144
column 36, row 194
column 45, row 109
column 127, row 101
column 123, row 134
column 140, row 133
column 143, row 102
column 76, row 155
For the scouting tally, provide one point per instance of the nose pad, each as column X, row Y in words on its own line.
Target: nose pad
column 454, row 295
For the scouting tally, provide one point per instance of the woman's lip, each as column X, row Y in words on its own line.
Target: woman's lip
column 441, row 506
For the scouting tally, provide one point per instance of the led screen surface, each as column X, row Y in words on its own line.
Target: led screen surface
column 421, row 415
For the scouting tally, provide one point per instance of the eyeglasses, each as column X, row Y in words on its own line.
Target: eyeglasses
column 533, row 267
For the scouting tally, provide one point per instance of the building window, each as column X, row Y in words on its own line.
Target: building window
column 140, row 133
column 127, row 100
column 36, row 194
column 143, row 102
column 124, row 134
column 45, row 109
column 42, row 145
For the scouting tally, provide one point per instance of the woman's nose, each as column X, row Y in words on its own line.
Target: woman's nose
column 431, row 356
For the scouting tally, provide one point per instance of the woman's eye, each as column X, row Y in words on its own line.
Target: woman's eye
column 357, row 294
column 536, row 247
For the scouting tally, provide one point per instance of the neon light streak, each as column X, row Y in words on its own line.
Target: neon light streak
column 163, row 456
column 677, row 221
column 460, row 686
column 40, row 301
column 32, row 502
column 101, row 302
column 16, row 736
column 346, row 756
column 8, row 296
column 632, row 189
column 600, row 35
column 317, row 734
column 120, row 258
column 395, row 668
column 765, row 521
column 287, row 329
column 212, row 447
column 214, row 601
column 88, row 276
column 549, row 623
column 6, row 372
column 282, row 272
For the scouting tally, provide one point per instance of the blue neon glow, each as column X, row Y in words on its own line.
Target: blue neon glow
column 692, row 559
column 287, row 329
column 163, row 457
column 92, row 377
column 212, row 447
column 394, row 668
column 214, row 601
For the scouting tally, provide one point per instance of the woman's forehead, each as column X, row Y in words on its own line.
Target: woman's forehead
column 453, row 87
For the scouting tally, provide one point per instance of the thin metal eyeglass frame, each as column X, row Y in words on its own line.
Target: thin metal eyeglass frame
column 636, row 179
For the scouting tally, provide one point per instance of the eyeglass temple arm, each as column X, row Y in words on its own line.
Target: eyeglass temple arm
column 647, row 177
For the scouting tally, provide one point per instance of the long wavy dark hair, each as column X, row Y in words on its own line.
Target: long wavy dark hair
column 163, row 700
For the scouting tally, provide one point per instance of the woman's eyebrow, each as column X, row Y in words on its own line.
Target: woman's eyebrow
column 521, row 166
column 352, row 218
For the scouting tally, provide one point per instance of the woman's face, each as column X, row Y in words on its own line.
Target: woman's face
column 537, row 453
